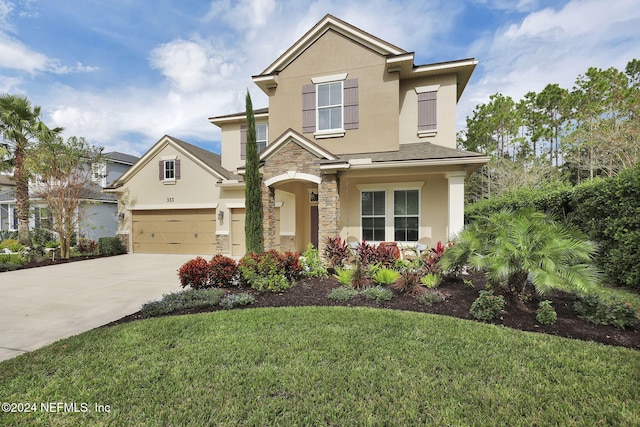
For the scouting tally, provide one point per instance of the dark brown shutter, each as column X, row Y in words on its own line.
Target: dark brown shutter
column 243, row 142
column 308, row 108
column 350, row 88
column 177, row 166
column 161, row 170
column 427, row 111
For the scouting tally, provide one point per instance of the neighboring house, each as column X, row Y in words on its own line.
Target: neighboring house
column 99, row 213
column 357, row 142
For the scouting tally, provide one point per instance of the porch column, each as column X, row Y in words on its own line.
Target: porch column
column 269, row 217
column 328, row 209
column 456, row 202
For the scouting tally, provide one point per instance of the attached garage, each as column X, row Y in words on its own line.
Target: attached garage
column 174, row 231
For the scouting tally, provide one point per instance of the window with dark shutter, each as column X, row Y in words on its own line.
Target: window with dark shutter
column 427, row 111
column 309, row 108
column 351, row 104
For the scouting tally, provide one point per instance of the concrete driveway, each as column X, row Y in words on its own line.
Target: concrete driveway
column 39, row 306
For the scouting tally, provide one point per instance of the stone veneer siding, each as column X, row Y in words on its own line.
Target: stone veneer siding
column 328, row 209
column 287, row 243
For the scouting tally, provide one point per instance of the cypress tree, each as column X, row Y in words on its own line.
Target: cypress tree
column 253, row 199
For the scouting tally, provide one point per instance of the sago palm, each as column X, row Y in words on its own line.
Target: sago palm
column 513, row 248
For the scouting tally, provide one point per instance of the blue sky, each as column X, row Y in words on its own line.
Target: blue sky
column 122, row 73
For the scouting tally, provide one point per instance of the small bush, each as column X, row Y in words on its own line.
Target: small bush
column 41, row 236
column 12, row 259
column 194, row 273
column 182, row 300
column 311, row 263
column 366, row 254
column 377, row 293
column 431, row 297
column 384, row 276
column 336, row 251
column 264, row 272
column 222, row 271
column 342, row 294
column 431, row 280
column 359, row 276
column 86, row 246
column 237, row 300
column 409, row 283
column 486, row 306
column 385, row 255
column 53, row 244
column 290, row 262
column 110, row 246
column 344, row 276
column 546, row 314
column 607, row 311
column 12, row 245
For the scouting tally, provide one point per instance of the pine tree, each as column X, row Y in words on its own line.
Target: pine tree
column 253, row 200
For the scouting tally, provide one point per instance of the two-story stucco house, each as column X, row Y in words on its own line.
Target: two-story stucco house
column 357, row 142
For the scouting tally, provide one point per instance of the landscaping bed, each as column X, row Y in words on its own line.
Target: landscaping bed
column 460, row 296
column 47, row 262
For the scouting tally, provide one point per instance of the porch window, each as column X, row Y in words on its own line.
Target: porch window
column 406, row 214
column 373, row 215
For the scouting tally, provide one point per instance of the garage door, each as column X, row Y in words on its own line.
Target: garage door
column 189, row 231
column 238, row 245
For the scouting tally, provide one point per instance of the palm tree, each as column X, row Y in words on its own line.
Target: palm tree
column 514, row 248
column 20, row 127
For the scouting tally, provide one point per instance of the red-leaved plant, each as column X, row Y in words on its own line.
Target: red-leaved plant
column 194, row 273
column 222, row 270
column 336, row 251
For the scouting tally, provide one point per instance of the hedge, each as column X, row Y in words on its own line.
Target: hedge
column 607, row 210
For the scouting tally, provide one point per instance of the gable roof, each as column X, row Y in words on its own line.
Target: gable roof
column 206, row 159
column 291, row 136
column 330, row 22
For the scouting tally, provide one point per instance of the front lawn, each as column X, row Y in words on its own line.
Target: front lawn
column 324, row 366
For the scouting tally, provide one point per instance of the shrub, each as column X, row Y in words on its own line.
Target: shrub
column 431, row 297
column 359, row 275
column 514, row 248
column 12, row 259
column 336, row 251
column 194, row 273
column 222, row 271
column 237, row 300
column 431, row 280
column 366, row 253
column 264, row 272
column 486, row 306
column 12, row 245
column 344, row 276
column 409, row 283
column 311, row 263
column 433, row 255
column 384, row 276
column 53, row 244
column 546, row 314
column 41, row 236
column 176, row 301
column 342, row 294
column 87, row 246
column 290, row 262
column 606, row 311
column 110, row 246
column 377, row 293
column 384, row 255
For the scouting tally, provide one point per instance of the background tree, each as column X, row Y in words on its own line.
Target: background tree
column 21, row 127
column 64, row 182
column 253, row 230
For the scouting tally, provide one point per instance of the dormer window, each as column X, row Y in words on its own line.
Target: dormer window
column 169, row 170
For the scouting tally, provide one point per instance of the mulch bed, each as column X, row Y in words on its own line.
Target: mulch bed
column 57, row 261
column 516, row 315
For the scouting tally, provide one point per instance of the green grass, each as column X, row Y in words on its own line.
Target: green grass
column 324, row 366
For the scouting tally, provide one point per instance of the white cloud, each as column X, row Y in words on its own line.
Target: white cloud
column 17, row 56
column 553, row 46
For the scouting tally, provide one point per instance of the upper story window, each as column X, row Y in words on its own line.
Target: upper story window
column 427, row 110
column 169, row 170
column 330, row 106
column 262, row 136
column 99, row 173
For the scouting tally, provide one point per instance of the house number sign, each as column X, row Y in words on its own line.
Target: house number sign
column 170, row 200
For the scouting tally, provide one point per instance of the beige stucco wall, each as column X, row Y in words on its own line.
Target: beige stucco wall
column 378, row 94
column 445, row 110
column 433, row 202
column 195, row 189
